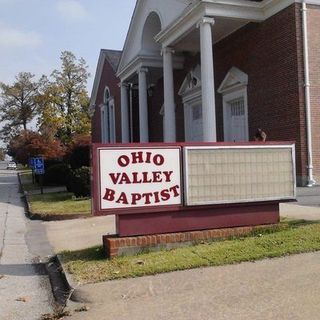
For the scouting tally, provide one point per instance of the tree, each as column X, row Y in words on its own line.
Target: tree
column 30, row 144
column 18, row 103
column 67, row 107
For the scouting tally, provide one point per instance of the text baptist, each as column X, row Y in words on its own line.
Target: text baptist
column 159, row 177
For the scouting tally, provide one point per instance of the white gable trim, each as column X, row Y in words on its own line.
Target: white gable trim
column 235, row 79
column 97, row 79
column 166, row 10
column 128, row 36
column 191, row 85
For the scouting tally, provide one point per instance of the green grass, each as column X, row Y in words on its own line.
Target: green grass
column 90, row 266
column 58, row 203
column 26, row 180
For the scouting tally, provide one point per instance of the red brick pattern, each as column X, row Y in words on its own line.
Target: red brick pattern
column 269, row 53
column 113, row 246
column 108, row 78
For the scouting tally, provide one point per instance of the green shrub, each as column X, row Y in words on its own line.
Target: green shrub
column 79, row 182
column 57, row 174
column 78, row 154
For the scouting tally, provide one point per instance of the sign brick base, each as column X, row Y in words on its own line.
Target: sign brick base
column 115, row 246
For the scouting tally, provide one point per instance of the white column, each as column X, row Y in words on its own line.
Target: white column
column 124, row 113
column 143, row 105
column 207, row 81
column 169, row 128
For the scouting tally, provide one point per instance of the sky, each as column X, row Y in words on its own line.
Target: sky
column 33, row 33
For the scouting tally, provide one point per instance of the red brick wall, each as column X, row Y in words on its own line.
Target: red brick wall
column 268, row 53
column 108, row 79
column 313, row 14
column 271, row 53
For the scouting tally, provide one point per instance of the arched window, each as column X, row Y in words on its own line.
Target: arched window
column 108, row 118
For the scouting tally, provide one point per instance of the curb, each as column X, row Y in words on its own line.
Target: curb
column 40, row 217
column 60, row 287
column 75, row 293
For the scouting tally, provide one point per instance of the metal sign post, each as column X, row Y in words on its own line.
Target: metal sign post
column 31, row 165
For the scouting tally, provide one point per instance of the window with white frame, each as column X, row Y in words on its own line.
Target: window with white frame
column 108, row 118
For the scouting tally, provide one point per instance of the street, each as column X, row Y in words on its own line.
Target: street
column 24, row 284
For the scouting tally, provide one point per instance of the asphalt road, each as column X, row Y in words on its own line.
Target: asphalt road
column 24, row 284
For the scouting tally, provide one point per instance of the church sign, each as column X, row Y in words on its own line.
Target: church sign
column 138, row 177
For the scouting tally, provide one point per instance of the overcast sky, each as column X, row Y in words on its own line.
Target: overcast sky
column 34, row 32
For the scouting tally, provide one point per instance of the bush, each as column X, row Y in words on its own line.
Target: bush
column 57, row 174
column 78, row 154
column 79, row 182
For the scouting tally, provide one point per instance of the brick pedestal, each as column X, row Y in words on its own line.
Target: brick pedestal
column 115, row 246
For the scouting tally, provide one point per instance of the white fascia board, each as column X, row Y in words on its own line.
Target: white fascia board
column 97, row 78
column 146, row 61
column 131, row 27
column 233, row 9
column 137, row 63
column 189, row 15
column 184, row 24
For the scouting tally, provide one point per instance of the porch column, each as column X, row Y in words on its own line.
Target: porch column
column 124, row 113
column 143, row 105
column 169, row 128
column 207, row 80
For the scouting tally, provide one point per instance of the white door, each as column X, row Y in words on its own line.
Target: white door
column 238, row 120
column 194, row 123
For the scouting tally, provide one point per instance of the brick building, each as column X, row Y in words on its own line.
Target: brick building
column 209, row 70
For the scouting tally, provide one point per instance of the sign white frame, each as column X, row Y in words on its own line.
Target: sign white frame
column 177, row 177
column 186, row 179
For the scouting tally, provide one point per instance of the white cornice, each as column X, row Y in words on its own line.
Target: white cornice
column 146, row 61
column 234, row 9
column 191, row 15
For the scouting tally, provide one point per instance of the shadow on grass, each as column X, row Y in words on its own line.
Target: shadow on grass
column 56, row 196
column 301, row 223
column 52, row 197
column 90, row 254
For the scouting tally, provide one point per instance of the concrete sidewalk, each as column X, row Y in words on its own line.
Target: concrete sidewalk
column 307, row 206
column 78, row 234
column 286, row 289
column 25, row 288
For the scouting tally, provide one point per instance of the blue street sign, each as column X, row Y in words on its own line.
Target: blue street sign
column 39, row 165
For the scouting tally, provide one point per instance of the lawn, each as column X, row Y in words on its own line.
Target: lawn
column 53, row 205
column 26, row 180
column 58, row 203
column 90, row 266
